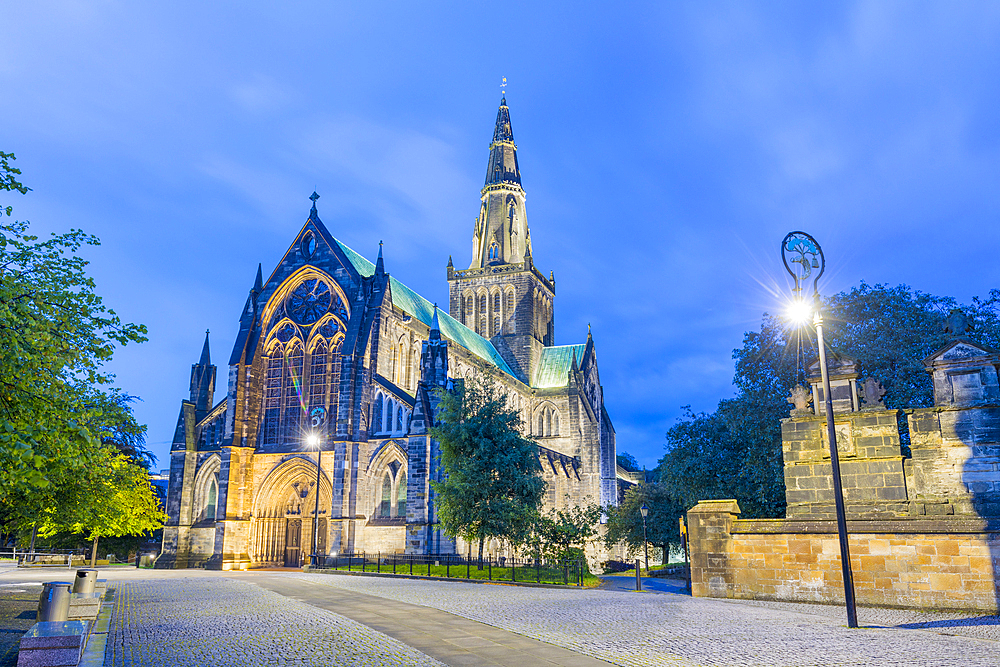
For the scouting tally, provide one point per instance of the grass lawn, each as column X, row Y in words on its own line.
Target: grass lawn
column 527, row 573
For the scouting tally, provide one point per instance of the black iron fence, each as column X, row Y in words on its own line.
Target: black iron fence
column 501, row 568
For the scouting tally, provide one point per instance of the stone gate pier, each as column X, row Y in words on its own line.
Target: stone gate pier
column 924, row 523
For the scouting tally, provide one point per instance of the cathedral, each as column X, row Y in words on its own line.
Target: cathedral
column 332, row 386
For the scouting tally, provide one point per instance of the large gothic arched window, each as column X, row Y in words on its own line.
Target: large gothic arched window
column 272, row 396
column 317, row 378
column 292, row 393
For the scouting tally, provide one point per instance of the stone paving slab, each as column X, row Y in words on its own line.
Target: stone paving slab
column 632, row 628
column 452, row 639
column 222, row 622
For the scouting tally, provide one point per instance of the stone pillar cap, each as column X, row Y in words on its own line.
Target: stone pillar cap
column 715, row 506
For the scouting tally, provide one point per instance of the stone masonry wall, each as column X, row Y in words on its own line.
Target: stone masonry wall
column 925, row 563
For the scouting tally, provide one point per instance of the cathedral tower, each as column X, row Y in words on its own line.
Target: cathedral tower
column 502, row 296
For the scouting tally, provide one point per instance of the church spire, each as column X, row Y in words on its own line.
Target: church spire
column 502, row 168
column 501, row 230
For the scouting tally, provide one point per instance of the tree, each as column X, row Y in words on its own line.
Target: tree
column 60, row 431
column 624, row 524
column 493, row 483
column 627, row 461
column 735, row 452
column 114, row 499
column 562, row 535
column 55, row 335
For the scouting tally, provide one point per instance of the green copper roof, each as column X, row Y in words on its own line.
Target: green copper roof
column 553, row 367
column 417, row 306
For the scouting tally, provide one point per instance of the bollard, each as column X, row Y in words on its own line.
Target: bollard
column 85, row 581
column 53, row 605
column 638, row 576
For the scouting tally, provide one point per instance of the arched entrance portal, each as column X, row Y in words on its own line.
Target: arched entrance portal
column 282, row 523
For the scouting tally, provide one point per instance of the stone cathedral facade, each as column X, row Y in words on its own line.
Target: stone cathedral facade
column 332, row 345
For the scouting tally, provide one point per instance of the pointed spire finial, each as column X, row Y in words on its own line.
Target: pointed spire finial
column 435, row 333
column 258, row 283
column 449, row 262
column 313, row 197
column 206, row 359
column 503, row 86
column 379, row 264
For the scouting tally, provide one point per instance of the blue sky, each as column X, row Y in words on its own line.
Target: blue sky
column 665, row 148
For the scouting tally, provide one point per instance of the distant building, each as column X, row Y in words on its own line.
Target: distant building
column 330, row 344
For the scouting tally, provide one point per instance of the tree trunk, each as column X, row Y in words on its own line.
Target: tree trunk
column 482, row 539
column 34, row 533
column 93, row 553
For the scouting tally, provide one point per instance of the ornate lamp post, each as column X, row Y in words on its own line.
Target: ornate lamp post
column 801, row 254
column 644, row 511
column 313, row 441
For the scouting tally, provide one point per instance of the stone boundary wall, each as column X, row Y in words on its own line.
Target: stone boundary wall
column 926, row 563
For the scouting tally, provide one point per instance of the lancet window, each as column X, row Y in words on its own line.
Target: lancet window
column 547, row 422
column 385, row 506
column 401, row 494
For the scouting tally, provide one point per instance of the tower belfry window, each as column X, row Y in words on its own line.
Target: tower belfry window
column 494, row 253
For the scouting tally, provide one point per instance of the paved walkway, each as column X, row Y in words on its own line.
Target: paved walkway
column 194, row 617
column 222, row 622
column 631, row 628
column 452, row 639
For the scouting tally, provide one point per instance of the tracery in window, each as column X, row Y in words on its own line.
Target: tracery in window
column 494, row 253
column 318, row 376
column 292, row 393
column 272, row 396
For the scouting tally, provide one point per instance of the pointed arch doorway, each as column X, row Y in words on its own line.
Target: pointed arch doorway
column 281, row 529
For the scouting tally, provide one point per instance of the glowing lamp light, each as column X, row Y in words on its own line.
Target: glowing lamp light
column 312, row 440
column 799, row 311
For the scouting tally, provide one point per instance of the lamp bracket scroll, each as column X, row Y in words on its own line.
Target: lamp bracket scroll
column 802, row 255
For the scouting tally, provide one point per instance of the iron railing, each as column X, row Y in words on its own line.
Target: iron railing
column 457, row 566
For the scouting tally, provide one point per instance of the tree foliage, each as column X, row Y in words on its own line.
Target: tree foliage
column 624, row 522
column 735, row 452
column 493, row 483
column 562, row 535
column 65, row 440
column 627, row 461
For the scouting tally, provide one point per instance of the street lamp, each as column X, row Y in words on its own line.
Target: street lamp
column 644, row 511
column 313, row 441
column 801, row 254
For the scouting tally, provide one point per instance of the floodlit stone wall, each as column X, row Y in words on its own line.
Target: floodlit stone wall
column 936, row 564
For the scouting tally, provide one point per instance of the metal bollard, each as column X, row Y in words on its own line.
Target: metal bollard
column 85, row 581
column 53, row 605
column 638, row 576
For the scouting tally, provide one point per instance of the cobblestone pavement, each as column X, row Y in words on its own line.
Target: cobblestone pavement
column 629, row 628
column 18, row 603
column 222, row 622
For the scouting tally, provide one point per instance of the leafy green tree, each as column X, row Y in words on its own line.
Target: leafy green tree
column 627, row 461
column 624, row 522
column 58, row 427
column 735, row 452
column 114, row 499
column 493, row 483
column 562, row 535
column 55, row 336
